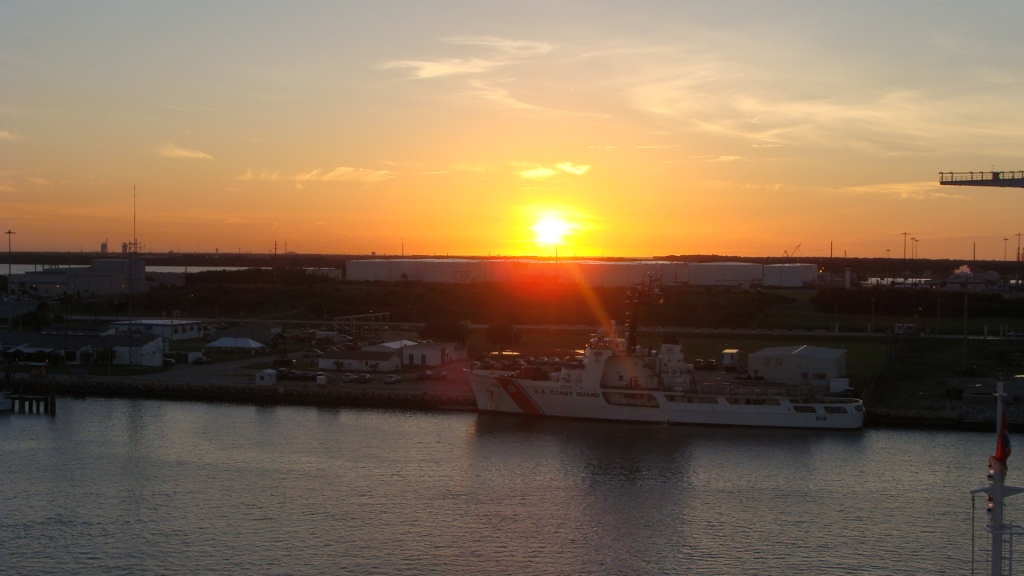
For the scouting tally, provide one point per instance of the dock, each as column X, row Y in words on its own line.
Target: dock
column 35, row 403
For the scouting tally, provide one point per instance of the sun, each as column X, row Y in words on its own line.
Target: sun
column 550, row 230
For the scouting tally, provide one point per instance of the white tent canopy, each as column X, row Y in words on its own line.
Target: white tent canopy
column 235, row 344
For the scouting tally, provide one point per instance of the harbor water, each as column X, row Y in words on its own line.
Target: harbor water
column 155, row 487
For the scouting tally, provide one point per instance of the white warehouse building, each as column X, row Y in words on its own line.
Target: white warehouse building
column 798, row 364
column 739, row 274
column 464, row 271
column 789, row 275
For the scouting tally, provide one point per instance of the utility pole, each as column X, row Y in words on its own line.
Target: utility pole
column 965, row 323
column 9, row 258
column 131, row 280
column 1018, row 235
column 905, row 234
column 1005, row 240
column 887, row 250
column 872, row 323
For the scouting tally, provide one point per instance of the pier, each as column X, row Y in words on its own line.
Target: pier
column 35, row 403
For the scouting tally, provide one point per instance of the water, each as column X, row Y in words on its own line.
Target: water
column 150, row 487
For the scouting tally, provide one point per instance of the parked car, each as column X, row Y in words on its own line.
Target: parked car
column 364, row 378
column 440, row 376
column 711, row 364
column 392, row 379
column 425, row 375
column 698, row 364
column 348, row 377
column 168, row 362
column 312, row 353
column 201, row 361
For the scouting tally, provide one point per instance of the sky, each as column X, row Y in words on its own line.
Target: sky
column 473, row 128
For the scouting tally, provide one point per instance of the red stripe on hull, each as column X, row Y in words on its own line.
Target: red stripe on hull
column 519, row 396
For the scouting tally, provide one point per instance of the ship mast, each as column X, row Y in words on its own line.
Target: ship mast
column 645, row 294
column 1002, row 532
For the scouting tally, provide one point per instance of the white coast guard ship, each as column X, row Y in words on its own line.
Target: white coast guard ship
column 613, row 384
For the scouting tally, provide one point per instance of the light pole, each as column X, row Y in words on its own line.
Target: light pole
column 1005, row 240
column 9, row 257
column 872, row 323
column 887, row 266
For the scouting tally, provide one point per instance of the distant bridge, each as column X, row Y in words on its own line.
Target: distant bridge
column 1000, row 179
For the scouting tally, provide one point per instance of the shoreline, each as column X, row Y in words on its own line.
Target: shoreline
column 435, row 398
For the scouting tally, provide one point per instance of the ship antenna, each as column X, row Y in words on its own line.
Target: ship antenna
column 1001, row 531
column 645, row 294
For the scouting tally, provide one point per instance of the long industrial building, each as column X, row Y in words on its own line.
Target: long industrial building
column 458, row 270
column 590, row 272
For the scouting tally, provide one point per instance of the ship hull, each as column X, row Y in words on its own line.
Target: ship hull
column 504, row 393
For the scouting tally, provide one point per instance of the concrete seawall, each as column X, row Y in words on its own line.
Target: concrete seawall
column 290, row 394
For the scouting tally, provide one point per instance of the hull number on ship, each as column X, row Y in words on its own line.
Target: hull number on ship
column 566, row 393
column 821, row 418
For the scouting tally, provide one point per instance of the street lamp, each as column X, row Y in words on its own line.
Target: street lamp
column 9, row 234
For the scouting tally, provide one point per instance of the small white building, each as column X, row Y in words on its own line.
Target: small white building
column 140, row 350
column 361, row 361
column 424, row 353
column 730, row 358
column 798, row 364
column 172, row 329
column 789, row 275
column 266, row 377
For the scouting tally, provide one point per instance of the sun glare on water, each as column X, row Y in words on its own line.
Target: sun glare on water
column 550, row 230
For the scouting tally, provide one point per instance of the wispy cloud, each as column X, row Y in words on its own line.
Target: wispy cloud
column 339, row 174
column 573, row 168
column 447, row 67
column 513, row 47
column 546, row 172
column 171, row 151
column 539, row 172
column 38, row 180
column 902, row 190
column 496, row 95
column 500, row 52
column 714, row 158
column 646, row 146
column 9, row 136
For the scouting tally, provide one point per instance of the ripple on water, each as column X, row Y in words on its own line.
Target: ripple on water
column 130, row 487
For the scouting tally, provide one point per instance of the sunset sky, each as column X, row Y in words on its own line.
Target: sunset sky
column 634, row 129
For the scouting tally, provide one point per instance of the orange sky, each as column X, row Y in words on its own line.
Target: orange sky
column 740, row 128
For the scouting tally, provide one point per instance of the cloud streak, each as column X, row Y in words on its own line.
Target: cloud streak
column 546, row 172
column 171, row 151
column 9, row 136
column 339, row 174
column 902, row 190
column 500, row 52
